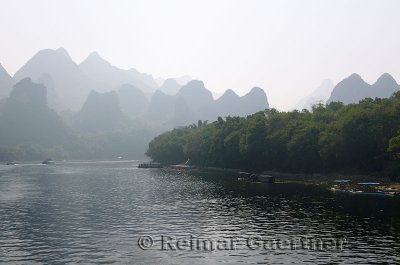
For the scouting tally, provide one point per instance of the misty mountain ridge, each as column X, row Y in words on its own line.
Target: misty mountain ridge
column 70, row 84
column 28, row 128
column 386, row 85
column 53, row 100
column 29, row 94
column 228, row 98
column 6, row 82
column 112, row 103
column 100, row 112
column 160, row 108
column 195, row 102
column 170, row 86
column 132, row 100
column 191, row 103
column 181, row 80
column 353, row 89
column 195, row 94
column 25, row 117
column 253, row 101
column 108, row 77
column 103, row 96
column 320, row 95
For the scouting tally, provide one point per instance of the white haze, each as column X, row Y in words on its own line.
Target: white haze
column 285, row 47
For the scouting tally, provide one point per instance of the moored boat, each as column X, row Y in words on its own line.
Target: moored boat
column 48, row 161
column 365, row 188
column 342, row 185
column 369, row 188
column 181, row 167
column 245, row 176
column 392, row 190
column 150, row 165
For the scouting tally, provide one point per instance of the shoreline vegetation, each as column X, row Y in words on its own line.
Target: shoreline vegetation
column 360, row 140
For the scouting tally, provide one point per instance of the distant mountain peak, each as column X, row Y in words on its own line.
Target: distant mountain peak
column 354, row 76
column 100, row 112
column 230, row 92
column 255, row 100
column 195, row 88
column 256, row 91
column 386, row 79
column 63, row 52
column 108, row 77
column 198, row 82
column 353, row 79
column 194, row 84
column 158, row 94
column 26, row 117
column 28, row 92
column 132, row 100
column 228, row 99
column 60, row 53
column 94, row 54
column 70, row 83
column 96, row 101
column 354, row 88
column 170, row 86
column 385, row 75
column 195, row 95
column 170, row 80
column 95, row 58
column 256, row 88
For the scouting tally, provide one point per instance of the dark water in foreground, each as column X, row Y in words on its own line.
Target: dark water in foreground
column 96, row 213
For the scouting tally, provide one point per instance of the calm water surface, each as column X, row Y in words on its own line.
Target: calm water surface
column 95, row 212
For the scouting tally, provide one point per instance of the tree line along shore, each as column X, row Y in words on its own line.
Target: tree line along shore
column 362, row 138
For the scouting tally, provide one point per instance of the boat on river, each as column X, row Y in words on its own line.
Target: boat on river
column 48, row 161
column 342, row 185
column 365, row 188
column 150, row 165
column 251, row 177
column 370, row 188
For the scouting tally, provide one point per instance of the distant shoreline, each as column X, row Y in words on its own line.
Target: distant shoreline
column 317, row 178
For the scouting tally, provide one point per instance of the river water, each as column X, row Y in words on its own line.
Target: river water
column 113, row 212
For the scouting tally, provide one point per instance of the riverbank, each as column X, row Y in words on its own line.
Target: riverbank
column 292, row 176
column 326, row 180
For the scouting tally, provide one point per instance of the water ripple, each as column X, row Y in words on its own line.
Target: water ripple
column 95, row 213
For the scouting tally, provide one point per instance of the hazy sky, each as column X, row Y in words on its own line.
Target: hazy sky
column 285, row 47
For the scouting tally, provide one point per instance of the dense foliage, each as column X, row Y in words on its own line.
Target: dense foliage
column 360, row 137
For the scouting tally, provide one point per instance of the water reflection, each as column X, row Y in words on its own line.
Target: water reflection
column 95, row 212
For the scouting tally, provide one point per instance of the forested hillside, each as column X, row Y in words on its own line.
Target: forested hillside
column 361, row 137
